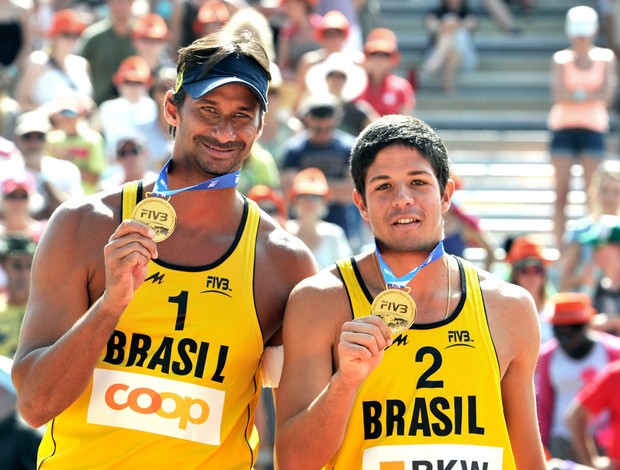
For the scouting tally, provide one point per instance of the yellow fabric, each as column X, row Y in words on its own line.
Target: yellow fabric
column 171, row 391
column 435, row 399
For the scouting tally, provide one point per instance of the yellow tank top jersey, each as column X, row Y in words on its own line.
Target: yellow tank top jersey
column 172, row 387
column 434, row 402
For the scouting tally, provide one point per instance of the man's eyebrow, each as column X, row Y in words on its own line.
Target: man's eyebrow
column 410, row 173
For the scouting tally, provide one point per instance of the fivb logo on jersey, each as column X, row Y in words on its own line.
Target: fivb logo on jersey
column 433, row 457
column 156, row 405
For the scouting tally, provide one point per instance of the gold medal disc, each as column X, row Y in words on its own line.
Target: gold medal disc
column 396, row 308
column 158, row 214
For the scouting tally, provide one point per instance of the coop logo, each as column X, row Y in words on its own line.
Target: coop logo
column 218, row 285
column 433, row 457
column 156, row 405
column 460, row 338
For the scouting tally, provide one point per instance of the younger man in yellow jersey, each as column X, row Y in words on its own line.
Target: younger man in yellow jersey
column 455, row 389
column 141, row 351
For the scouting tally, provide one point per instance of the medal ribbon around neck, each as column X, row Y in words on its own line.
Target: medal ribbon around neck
column 392, row 281
column 229, row 180
column 394, row 305
column 155, row 210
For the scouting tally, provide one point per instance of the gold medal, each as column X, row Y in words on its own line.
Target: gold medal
column 158, row 214
column 396, row 308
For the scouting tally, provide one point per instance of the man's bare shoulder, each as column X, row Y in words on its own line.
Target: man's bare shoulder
column 498, row 292
column 89, row 213
column 324, row 288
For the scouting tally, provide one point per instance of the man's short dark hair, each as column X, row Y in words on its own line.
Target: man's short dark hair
column 396, row 129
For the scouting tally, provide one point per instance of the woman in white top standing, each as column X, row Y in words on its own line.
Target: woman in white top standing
column 309, row 194
column 57, row 72
column 584, row 81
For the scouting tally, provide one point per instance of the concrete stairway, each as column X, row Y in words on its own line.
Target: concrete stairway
column 494, row 125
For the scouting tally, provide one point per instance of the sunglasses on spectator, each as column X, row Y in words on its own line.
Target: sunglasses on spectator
column 133, row 83
column 34, row 136
column 68, row 113
column 380, row 54
column 311, row 197
column 16, row 195
column 338, row 75
column 19, row 265
column 69, row 35
column 129, row 151
column 532, row 270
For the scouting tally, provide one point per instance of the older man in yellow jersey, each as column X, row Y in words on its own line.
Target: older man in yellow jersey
column 154, row 306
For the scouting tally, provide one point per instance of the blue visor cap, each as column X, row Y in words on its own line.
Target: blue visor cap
column 233, row 69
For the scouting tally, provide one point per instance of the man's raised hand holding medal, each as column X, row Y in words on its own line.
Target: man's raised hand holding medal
column 161, row 295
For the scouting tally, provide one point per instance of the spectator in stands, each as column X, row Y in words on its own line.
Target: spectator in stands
column 270, row 201
column 463, row 230
column 157, row 132
column 16, row 252
column 192, row 19
column 57, row 72
column 133, row 107
column 566, row 364
column 600, row 395
column 350, row 9
column 583, row 84
column 322, row 145
column 343, row 78
column 386, row 92
column 74, row 140
column 331, row 33
column 131, row 162
column 19, row 443
column 297, row 36
column 17, row 190
column 251, row 19
column 308, row 197
column 529, row 268
column 576, row 265
column 604, row 237
column 57, row 180
column 280, row 123
column 105, row 45
column 451, row 26
column 150, row 40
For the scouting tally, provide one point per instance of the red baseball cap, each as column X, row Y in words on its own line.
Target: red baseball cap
column 381, row 40
column 526, row 248
column 22, row 180
column 66, row 21
column 310, row 181
column 571, row 308
column 133, row 69
column 151, row 26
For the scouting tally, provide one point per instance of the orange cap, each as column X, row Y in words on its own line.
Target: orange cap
column 264, row 194
column 310, row 181
column 66, row 21
column 212, row 11
column 333, row 20
column 525, row 247
column 571, row 308
column 133, row 69
column 152, row 26
column 381, row 40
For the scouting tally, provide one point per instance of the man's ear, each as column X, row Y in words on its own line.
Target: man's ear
column 358, row 200
column 170, row 109
column 448, row 192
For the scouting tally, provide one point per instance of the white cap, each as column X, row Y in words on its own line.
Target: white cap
column 5, row 374
column 581, row 21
